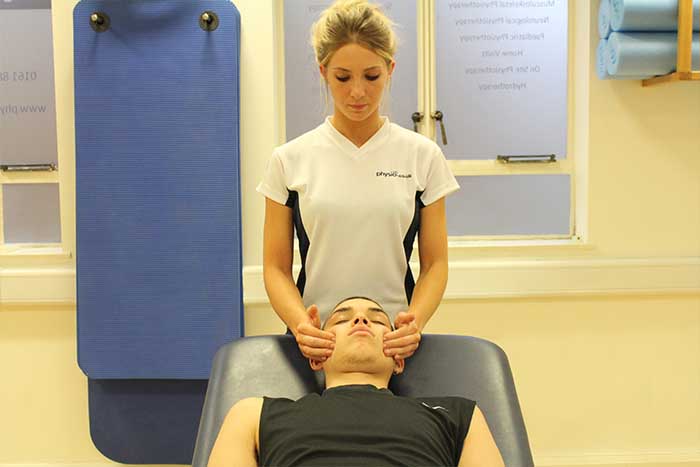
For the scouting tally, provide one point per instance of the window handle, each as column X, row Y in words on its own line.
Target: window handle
column 417, row 117
column 437, row 115
column 527, row 158
column 28, row 167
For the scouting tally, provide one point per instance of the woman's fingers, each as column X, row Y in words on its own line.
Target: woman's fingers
column 403, row 342
column 312, row 311
column 405, row 330
column 314, row 343
column 403, row 318
column 401, row 352
column 306, row 329
column 315, row 353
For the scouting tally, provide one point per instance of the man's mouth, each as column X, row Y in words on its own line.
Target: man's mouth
column 363, row 330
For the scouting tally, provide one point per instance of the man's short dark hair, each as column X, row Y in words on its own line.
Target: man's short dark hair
column 357, row 297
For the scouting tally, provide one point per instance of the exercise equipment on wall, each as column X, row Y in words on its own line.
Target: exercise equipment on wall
column 159, row 285
column 649, row 39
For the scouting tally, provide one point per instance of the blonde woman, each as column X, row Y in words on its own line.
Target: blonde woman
column 357, row 189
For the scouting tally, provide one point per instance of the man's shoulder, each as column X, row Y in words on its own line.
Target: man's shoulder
column 247, row 407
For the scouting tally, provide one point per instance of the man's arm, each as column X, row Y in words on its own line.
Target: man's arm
column 237, row 442
column 479, row 448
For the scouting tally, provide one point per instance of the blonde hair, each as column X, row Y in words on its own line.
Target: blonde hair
column 353, row 22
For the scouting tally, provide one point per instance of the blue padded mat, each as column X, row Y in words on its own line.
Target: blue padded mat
column 146, row 421
column 157, row 188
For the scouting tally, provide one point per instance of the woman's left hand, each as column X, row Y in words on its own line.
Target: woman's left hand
column 404, row 341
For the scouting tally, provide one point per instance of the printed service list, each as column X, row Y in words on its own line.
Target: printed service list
column 27, row 102
column 501, row 76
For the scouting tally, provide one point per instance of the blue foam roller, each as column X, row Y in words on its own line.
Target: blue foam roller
column 604, row 19
column 601, row 54
column 642, row 53
column 649, row 15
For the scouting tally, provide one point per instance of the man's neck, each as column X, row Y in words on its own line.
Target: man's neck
column 343, row 379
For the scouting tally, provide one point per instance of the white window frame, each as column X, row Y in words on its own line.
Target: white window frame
column 38, row 254
column 44, row 273
column 577, row 136
column 576, row 163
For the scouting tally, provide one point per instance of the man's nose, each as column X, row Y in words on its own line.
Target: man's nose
column 361, row 319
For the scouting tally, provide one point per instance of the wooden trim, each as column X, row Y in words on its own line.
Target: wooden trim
column 684, row 51
column 684, row 55
column 641, row 458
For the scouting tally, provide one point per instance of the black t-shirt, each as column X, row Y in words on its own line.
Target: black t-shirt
column 361, row 425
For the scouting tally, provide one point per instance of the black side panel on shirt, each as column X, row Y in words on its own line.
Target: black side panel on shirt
column 293, row 202
column 360, row 425
column 409, row 283
column 461, row 411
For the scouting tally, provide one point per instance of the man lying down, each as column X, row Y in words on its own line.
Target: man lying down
column 357, row 421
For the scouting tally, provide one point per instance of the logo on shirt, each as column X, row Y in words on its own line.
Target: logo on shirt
column 393, row 173
column 437, row 407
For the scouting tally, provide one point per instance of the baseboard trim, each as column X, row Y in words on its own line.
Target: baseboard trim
column 650, row 458
column 647, row 457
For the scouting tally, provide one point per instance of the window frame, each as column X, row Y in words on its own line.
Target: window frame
column 575, row 165
column 45, row 254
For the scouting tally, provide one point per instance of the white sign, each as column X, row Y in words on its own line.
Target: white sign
column 501, row 71
column 27, row 99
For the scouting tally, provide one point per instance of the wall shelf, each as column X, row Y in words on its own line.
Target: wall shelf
column 685, row 49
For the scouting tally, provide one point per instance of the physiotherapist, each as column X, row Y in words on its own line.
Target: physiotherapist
column 357, row 189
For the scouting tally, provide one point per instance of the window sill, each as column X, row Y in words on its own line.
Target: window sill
column 492, row 278
column 485, row 243
column 33, row 250
column 471, row 279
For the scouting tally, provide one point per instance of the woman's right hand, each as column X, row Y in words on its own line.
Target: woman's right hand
column 314, row 343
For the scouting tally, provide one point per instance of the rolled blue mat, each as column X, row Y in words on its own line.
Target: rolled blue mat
column 604, row 19
column 601, row 54
column 646, row 53
column 649, row 15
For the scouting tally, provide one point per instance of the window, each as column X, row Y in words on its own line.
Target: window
column 29, row 189
column 500, row 74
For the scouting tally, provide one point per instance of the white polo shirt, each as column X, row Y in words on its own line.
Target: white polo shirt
column 356, row 210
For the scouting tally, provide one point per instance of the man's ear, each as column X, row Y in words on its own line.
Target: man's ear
column 315, row 365
column 399, row 365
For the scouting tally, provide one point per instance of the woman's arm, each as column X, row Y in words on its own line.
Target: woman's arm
column 278, row 244
column 432, row 247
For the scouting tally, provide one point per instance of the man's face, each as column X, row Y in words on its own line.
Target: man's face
column 359, row 326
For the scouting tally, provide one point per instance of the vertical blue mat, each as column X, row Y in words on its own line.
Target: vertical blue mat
column 158, row 218
column 157, row 188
